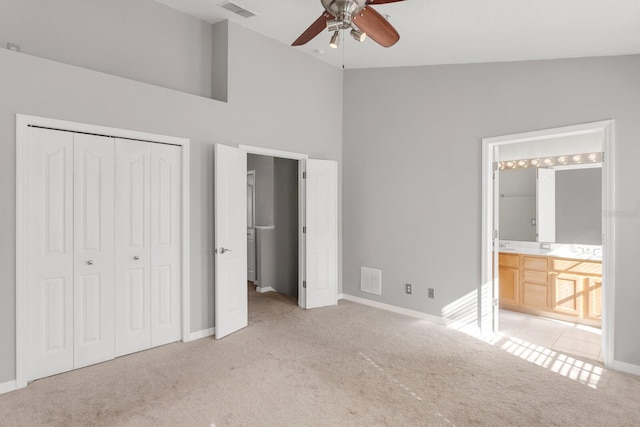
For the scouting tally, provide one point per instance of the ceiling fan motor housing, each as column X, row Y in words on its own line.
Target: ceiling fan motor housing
column 344, row 10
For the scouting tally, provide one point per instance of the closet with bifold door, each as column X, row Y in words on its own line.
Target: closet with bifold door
column 103, row 248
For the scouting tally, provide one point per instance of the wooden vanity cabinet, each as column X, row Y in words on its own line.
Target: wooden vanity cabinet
column 562, row 288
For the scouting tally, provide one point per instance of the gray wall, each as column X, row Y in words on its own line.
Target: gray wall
column 263, row 166
column 268, row 83
column 141, row 40
column 579, row 206
column 406, row 212
column 286, row 222
column 517, row 204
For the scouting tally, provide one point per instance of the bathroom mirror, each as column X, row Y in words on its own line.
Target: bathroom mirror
column 560, row 205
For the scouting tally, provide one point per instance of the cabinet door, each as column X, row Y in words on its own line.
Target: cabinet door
column 94, row 336
column 132, row 246
column 509, row 285
column 535, row 295
column 568, row 294
column 594, row 299
column 49, row 251
column 166, row 241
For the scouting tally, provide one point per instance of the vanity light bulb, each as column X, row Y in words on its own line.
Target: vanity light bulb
column 548, row 161
column 522, row 163
column 592, row 157
column 562, row 160
column 535, row 162
column 511, row 164
column 577, row 158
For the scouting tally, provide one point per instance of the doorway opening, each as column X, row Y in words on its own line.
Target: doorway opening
column 547, row 247
column 273, row 225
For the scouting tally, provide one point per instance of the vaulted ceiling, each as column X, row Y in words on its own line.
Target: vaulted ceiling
column 450, row 31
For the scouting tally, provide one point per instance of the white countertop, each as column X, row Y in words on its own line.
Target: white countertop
column 581, row 252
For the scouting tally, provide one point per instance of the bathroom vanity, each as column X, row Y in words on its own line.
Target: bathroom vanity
column 560, row 281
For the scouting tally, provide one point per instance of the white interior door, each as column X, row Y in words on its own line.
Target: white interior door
column 231, row 313
column 49, row 247
column 321, row 233
column 251, row 230
column 166, row 271
column 132, row 242
column 94, row 337
column 546, row 205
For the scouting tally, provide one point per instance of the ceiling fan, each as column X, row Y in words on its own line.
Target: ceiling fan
column 357, row 15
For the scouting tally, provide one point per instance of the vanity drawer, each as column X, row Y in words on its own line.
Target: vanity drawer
column 509, row 260
column 535, row 263
column 577, row 266
column 535, row 276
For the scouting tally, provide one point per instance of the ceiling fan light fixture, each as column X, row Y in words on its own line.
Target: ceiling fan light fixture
column 334, row 25
column 335, row 40
column 358, row 35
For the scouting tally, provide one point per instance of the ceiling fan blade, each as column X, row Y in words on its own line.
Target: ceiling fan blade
column 374, row 2
column 313, row 30
column 376, row 27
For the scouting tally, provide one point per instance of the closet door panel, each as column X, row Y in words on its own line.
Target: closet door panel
column 132, row 246
column 49, row 247
column 166, row 242
column 94, row 335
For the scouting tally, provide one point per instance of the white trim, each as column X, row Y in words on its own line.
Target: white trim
column 8, row 386
column 340, row 296
column 22, row 124
column 395, row 309
column 302, row 167
column 625, row 367
column 273, row 153
column 201, row 334
column 264, row 290
column 608, row 223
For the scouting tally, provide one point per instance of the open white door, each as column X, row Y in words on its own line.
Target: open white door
column 546, row 205
column 321, row 233
column 231, row 312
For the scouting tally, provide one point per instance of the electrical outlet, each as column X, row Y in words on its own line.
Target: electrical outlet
column 431, row 293
column 408, row 289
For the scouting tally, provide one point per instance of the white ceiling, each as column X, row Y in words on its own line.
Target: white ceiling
column 451, row 31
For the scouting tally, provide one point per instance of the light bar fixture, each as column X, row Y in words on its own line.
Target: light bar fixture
column 551, row 161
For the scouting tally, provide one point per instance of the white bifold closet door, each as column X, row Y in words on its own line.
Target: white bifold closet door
column 148, row 242
column 69, row 248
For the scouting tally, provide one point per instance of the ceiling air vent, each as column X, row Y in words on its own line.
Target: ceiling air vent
column 238, row 10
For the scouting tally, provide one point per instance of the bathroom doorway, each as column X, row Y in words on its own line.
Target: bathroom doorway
column 545, row 262
column 272, row 225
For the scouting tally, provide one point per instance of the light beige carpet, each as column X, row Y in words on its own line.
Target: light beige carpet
column 344, row 365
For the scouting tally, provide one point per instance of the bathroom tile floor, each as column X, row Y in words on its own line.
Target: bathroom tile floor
column 556, row 335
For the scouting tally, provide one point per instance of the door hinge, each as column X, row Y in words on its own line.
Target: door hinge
column 304, row 175
column 495, row 234
column 304, row 229
column 304, row 284
column 494, row 302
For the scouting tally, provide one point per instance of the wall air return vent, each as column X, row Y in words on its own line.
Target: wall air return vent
column 238, row 10
column 371, row 280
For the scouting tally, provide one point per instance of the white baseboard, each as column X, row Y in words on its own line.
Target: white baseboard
column 8, row 386
column 201, row 334
column 265, row 289
column 340, row 296
column 395, row 309
column 626, row 367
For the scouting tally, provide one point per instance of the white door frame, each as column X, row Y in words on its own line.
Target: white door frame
column 23, row 122
column 302, row 300
column 487, row 289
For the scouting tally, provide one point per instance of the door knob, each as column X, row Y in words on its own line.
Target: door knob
column 136, row 257
column 223, row 250
column 90, row 262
